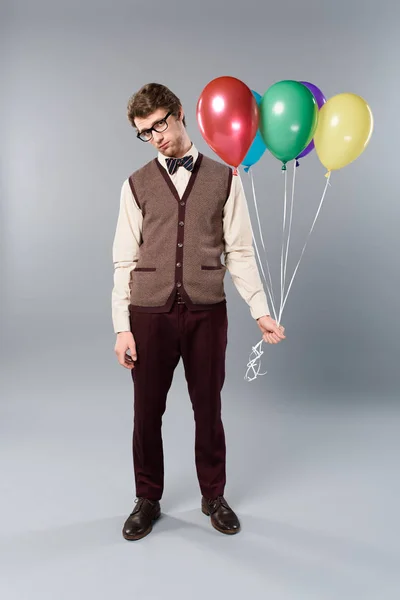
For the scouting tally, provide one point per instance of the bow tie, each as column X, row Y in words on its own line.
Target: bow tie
column 174, row 163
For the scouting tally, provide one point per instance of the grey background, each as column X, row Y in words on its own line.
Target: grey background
column 312, row 445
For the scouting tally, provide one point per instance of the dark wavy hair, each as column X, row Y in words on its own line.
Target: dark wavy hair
column 151, row 97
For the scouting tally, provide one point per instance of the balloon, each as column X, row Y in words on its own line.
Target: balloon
column 228, row 117
column 289, row 116
column 344, row 130
column 320, row 98
column 258, row 147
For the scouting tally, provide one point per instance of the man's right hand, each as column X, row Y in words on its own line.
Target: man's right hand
column 125, row 341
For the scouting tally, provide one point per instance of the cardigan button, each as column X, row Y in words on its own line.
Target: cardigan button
column 183, row 203
column 178, row 284
column 178, row 264
column 180, row 244
column 181, row 223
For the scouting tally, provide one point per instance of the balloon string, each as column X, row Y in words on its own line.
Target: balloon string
column 269, row 289
column 256, row 350
column 288, row 239
column 304, row 247
column 283, row 238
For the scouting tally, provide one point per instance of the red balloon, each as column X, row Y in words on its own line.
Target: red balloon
column 228, row 117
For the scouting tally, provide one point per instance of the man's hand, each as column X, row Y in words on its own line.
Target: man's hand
column 125, row 341
column 272, row 333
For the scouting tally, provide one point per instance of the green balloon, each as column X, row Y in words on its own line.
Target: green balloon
column 288, row 119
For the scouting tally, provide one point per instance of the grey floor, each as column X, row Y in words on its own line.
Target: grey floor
column 314, row 481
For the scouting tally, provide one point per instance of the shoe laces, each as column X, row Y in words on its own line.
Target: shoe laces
column 139, row 503
column 217, row 502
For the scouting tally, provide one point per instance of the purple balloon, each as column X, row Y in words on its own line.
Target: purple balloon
column 320, row 99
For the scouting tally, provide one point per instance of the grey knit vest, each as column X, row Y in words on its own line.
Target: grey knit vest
column 182, row 238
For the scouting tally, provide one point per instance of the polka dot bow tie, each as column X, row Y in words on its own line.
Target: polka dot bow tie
column 174, row 163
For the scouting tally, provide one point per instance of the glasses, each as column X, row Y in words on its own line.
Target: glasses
column 146, row 135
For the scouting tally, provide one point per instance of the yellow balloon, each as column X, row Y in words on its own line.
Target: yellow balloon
column 345, row 125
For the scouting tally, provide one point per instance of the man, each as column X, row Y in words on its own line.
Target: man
column 178, row 214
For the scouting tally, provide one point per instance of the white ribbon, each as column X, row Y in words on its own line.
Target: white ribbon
column 288, row 242
column 257, row 349
column 306, row 242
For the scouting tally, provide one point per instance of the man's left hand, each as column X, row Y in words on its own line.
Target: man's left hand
column 272, row 332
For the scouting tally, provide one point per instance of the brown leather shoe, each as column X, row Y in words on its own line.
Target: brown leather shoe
column 140, row 521
column 222, row 516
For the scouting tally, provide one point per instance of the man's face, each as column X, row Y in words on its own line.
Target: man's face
column 169, row 141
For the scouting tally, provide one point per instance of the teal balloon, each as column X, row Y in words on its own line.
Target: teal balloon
column 258, row 146
column 288, row 119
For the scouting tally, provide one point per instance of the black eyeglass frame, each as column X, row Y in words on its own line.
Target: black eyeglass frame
column 154, row 128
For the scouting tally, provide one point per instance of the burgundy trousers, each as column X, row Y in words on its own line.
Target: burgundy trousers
column 200, row 338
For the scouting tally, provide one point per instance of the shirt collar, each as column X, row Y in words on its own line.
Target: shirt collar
column 191, row 152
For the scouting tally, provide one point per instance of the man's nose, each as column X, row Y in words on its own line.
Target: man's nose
column 158, row 137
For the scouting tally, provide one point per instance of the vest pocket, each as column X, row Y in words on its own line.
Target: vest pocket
column 207, row 268
column 144, row 269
